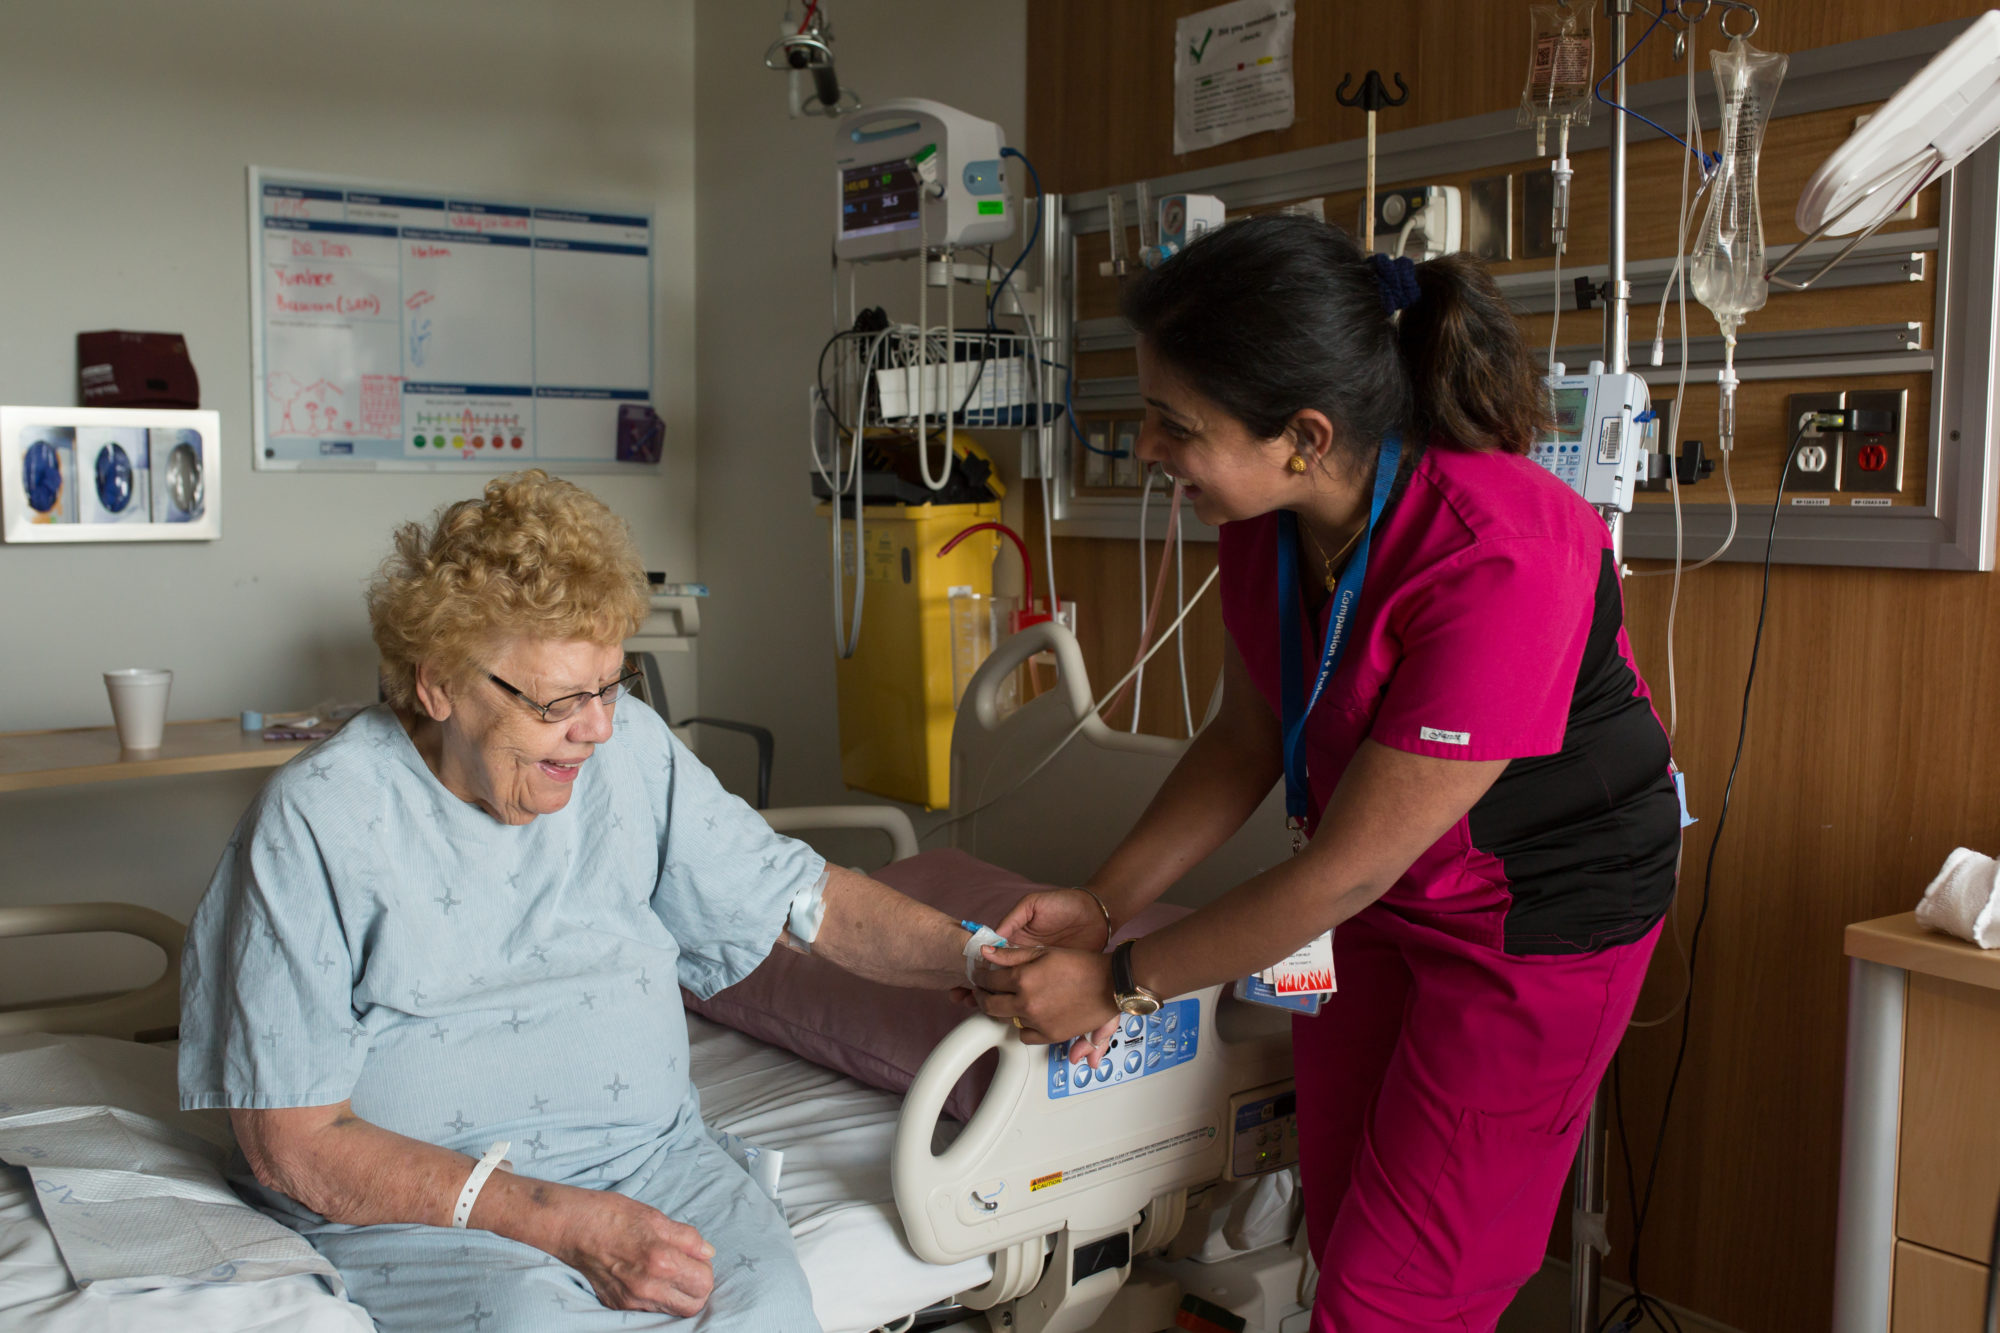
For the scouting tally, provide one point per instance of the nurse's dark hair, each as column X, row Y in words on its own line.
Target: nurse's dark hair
column 1274, row 315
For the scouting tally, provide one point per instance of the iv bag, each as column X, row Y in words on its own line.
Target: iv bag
column 1728, row 262
column 1560, row 55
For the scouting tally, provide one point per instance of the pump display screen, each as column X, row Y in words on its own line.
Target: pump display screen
column 878, row 198
column 1568, row 406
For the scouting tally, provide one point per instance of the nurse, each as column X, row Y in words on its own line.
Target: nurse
column 1426, row 642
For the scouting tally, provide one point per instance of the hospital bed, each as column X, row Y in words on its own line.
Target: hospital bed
column 1035, row 1215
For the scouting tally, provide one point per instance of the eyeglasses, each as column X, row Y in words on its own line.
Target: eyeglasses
column 561, row 710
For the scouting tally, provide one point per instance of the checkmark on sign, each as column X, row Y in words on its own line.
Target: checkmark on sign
column 1197, row 51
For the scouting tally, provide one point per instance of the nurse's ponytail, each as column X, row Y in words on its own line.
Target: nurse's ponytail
column 1474, row 381
column 1274, row 315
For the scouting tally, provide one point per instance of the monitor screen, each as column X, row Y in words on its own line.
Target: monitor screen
column 878, row 198
column 1568, row 406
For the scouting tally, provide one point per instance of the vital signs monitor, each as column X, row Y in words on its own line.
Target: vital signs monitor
column 917, row 176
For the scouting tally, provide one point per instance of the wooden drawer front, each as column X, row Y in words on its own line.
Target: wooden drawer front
column 1936, row 1293
column 1948, row 1175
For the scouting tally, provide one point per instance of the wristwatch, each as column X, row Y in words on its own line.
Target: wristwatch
column 1127, row 994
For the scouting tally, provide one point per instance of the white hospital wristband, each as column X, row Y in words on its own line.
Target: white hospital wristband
column 468, row 1196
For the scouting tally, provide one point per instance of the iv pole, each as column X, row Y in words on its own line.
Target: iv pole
column 1590, row 1208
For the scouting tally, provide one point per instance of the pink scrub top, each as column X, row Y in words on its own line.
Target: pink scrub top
column 1491, row 626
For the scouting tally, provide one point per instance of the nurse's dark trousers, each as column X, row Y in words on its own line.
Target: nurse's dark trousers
column 1442, row 1094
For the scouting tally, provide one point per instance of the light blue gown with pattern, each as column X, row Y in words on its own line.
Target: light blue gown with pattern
column 369, row 936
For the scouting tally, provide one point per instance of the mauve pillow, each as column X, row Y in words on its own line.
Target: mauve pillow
column 875, row 1033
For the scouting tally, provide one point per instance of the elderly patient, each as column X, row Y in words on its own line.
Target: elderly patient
column 465, row 919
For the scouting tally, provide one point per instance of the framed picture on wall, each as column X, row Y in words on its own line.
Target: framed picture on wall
column 96, row 474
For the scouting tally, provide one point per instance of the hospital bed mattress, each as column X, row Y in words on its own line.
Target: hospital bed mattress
column 836, row 1135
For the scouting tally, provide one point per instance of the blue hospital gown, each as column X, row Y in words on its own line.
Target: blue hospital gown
column 370, row 936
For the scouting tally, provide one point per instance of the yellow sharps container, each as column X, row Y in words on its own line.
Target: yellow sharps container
column 895, row 692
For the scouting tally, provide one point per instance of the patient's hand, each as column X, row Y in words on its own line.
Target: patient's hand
column 1052, row 994
column 637, row 1258
column 1057, row 918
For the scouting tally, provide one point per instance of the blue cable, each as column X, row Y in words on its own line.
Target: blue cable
column 1034, row 235
column 1709, row 161
column 1069, row 378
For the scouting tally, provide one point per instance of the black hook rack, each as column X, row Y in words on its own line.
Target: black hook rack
column 1374, row 94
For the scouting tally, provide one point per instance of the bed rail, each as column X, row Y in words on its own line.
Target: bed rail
column 155, row 1006
column 1086, row 1162
column 1057, row 826
column 886, row 819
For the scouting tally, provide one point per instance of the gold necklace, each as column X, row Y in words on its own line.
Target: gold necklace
column 1328, row 560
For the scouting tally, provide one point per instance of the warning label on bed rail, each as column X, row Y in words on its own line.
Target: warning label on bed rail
column 1204, row 1134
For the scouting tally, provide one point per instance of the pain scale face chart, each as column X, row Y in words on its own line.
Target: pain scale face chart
column 401, row 328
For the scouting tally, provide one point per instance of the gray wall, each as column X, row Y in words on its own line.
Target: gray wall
column 765, row 230
column 129, row 128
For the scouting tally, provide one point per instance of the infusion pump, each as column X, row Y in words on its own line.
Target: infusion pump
column 1603, row 427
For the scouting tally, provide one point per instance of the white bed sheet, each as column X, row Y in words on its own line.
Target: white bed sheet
column 37, row 1296
column 836, row 1135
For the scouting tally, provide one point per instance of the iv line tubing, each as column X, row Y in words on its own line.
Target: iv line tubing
column 1617, row 300
column 1180, row 635
column 1139, row 686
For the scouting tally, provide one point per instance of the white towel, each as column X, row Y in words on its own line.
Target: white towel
column 1963, row 900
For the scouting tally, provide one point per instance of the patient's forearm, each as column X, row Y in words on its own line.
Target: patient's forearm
column 1211, row 791
column 353, row 1172
column 875, row 932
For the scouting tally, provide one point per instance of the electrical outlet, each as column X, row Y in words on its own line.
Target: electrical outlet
column 1097, row 458
column 1815, row 461
column 1128, row 471
column 1874, row 462
column 1489, row 218
column 1538, row 195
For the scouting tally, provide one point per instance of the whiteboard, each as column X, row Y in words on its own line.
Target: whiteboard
column 409, row 329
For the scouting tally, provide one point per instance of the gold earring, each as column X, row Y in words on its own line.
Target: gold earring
column 1296, row 463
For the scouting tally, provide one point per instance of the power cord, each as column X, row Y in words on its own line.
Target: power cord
column 1638, row 1303
column 1033, row 236
column 1992, row 1324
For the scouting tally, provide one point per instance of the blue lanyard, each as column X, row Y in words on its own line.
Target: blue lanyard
column 1291, row 631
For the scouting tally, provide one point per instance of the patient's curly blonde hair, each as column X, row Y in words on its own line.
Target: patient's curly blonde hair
column 534, row 556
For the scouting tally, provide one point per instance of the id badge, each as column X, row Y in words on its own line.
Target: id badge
column 1308, row 971
column 1258, row 991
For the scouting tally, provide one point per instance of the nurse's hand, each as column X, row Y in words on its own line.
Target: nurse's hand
column 1053, row 918
column 1057, row 918
column 1055, row 994
column 638, row 1258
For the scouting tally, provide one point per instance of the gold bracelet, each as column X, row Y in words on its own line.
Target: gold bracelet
column 1108, row 930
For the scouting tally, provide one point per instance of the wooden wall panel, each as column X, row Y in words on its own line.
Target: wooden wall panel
column 1877, row 704
column 1100, row 72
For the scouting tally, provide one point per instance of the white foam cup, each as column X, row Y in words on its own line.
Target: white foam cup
column 139, row 705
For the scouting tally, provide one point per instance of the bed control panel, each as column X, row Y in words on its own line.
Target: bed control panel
column 1142, row 1046
column 1264, row 1131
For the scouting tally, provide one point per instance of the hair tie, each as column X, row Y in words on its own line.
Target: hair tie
column 1396, row 279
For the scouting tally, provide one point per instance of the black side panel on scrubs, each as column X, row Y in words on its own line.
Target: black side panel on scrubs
column 1589, row 836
